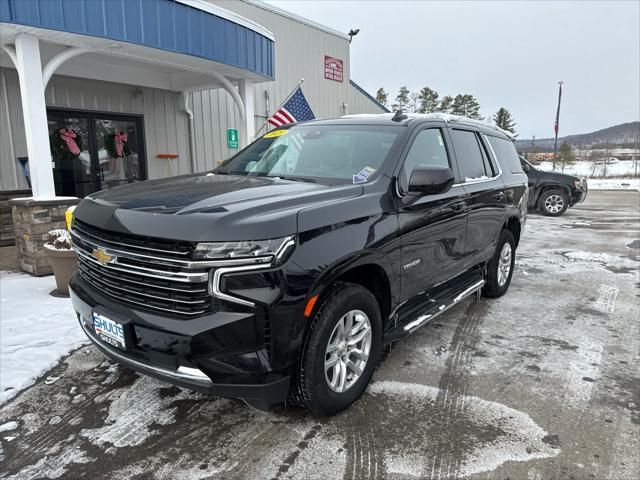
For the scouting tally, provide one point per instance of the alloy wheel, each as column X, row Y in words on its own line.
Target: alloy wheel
column 504, row 264
column 554, row 203
column 348, row 350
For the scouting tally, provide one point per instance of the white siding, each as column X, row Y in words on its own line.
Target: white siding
column 165, row 123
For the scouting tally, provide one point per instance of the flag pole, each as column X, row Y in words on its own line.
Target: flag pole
column 556, row 127
column 298, row 85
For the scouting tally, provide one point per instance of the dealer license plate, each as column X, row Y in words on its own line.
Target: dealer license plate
column 109, row 331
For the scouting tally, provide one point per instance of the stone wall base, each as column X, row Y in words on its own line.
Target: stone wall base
column 32, row 220
column 6, row 220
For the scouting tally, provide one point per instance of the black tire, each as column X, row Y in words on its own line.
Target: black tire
column 494, row 288
column 553, row 203
column 314, row 391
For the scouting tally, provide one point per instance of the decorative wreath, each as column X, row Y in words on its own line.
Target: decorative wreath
column 117, row 144
column 66, row 143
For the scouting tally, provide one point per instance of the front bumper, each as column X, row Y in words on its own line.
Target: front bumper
column 198, row 354
column 578, row 195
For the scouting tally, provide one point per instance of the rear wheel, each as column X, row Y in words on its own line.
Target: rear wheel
column 341, row 350
column 500, row 268
column 554, row 203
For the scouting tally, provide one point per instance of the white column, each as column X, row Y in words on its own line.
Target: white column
column 245, row 87
column 34, row 111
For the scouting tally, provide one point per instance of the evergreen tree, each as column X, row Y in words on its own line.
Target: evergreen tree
column 402, row 100
column 566, row 154
column 467, row 106
column 445, row 104
column 428, row 100
column 382, row 96
column 504, row 120
column 532, row 155
column 413, row 103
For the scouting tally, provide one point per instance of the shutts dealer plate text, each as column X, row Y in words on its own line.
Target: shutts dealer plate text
column 109, row 331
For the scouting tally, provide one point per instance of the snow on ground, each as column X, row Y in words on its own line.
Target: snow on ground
column 9, row 426
column 36, row 330
column 619, row 168
column 614, row 183
column 618, row 176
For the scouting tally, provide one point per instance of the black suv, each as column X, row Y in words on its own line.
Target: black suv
column 281, row 274
column 551, row 192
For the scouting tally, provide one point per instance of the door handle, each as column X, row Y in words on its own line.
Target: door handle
column 499, row 196
column 456, row 207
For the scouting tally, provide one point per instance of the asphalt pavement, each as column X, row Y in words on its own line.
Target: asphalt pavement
column 542, row 383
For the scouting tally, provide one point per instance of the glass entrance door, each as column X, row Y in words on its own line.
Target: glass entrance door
column 118, row 151
column 94, row 151
column 71, row 147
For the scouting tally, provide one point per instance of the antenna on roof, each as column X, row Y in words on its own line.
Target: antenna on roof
column 399, row 116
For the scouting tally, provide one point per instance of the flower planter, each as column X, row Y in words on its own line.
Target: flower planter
column 63, row 262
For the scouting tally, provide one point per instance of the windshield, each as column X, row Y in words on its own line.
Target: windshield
column 329, row 154
column 526, row 162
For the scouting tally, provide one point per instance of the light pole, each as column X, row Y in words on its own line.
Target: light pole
column 556, row 127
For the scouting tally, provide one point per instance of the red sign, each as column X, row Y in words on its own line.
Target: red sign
column 333, row 68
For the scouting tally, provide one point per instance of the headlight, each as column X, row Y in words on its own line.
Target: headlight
column 244, row 249
column 577, row 184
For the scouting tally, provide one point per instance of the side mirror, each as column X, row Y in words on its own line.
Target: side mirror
column 525, row 168
column 430, row 179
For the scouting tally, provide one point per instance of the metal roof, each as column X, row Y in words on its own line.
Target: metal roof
column 182, row 27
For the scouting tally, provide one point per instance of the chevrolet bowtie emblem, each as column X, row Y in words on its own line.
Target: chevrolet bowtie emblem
column 102, row 256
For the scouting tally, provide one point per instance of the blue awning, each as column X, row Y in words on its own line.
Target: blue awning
column 169, row 25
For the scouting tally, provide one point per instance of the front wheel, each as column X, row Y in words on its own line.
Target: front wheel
column 554, row 203
column 341, row 350
column 500, row 268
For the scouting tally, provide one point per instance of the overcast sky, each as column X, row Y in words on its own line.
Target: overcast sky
column 507, row 54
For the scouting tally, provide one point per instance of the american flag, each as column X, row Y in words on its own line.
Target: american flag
column 296, row 109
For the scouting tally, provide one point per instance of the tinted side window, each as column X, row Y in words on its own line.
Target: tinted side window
column 427, row 149
column 507, row 155
column 471, row 161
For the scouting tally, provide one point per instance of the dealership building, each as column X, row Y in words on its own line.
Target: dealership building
column 99, row 93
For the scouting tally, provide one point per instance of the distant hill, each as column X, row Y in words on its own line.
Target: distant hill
column 618, row 136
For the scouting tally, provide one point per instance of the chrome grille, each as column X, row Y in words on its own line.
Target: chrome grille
column 150, row 274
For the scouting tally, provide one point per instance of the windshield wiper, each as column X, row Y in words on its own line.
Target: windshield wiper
column 230, row 172
column 294, row 178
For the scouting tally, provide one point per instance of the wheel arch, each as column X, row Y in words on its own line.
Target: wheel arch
column 367, row 271
column 553, row 186
column 514, row 225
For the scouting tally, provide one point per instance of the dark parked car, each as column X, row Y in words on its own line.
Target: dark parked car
column 281, row 274
column 551, row 192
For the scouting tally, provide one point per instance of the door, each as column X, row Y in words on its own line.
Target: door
column 432, row 226
column 533, row 176
column 94, row 151
column 486, row 198
column 118, row 150
column 71, row 151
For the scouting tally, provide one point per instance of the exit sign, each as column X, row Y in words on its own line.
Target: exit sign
column 232, row 138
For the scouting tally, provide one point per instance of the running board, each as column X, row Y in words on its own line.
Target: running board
column 437, row 306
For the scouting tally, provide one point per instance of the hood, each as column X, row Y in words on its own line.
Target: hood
column 208, row 207
column 560, row 177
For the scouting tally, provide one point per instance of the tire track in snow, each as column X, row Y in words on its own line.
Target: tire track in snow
column 453, row 385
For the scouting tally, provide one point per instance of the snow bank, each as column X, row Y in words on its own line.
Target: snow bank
column 621, row 168
column 619, row 174
column 614, row 183
column 36, row 329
